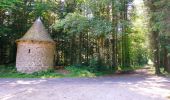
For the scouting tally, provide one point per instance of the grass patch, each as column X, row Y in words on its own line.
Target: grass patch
column 11, row 72
column 79, row 72
column 72, row 71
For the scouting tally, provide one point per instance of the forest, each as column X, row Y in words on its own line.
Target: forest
column 99, row 34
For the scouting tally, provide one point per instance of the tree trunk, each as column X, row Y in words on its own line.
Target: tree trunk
column 165, row 59
column 114, row 37
column 156, row 52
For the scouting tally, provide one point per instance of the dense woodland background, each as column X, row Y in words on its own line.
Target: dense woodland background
column 100, row 34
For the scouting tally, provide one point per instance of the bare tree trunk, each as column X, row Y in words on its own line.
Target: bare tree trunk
column 114, row 37
column 166, row 60
column 156, row 52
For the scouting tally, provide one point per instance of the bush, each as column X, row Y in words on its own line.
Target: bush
column 80, row 72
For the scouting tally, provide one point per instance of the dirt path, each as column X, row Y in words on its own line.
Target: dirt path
column 124, row 87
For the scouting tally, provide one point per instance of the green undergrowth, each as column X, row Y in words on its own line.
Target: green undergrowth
column 165, row 73
column 72, row 71
column 11, row 72
column 83, row 71
column 132, row 68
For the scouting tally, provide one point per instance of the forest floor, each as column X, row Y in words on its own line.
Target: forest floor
column 140, row 85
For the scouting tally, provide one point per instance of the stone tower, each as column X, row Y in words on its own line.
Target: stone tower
column 35, row 50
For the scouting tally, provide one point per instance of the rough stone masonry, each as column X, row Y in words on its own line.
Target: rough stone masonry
column 35, row 50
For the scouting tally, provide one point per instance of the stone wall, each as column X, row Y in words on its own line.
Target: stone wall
column 34, row 56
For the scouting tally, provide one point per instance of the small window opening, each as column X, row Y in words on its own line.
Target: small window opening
column 29, row 51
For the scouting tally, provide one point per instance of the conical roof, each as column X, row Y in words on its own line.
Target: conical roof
column 37, row 33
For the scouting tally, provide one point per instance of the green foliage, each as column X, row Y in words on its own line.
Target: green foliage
column 9, row 4
column 4, row 31
column 10, row 72
column 100, row 27
column 159, row 15
column 79, row 72
column 139, row 37
column 96, row 65
column 43, row 8
column 74, row 23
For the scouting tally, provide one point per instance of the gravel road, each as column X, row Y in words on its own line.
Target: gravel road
column 124, row 87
